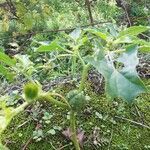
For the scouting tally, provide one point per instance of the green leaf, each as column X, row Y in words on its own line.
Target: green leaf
column 125, row 39
column 113, row 30
column 124, row 85
column 124, row 82
column 28, row 21
column 6, row 59
column 145, row 49
column 98, row 115
column 53, row 46
column 52, row 132
column 131, row 39
column 134, row 30
column 129, row 57
column 4, row 71
column 141, row 42
column 98, row 33
column 24, row 61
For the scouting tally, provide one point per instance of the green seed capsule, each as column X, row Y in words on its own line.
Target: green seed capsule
column 31, row 91
column 76, row 99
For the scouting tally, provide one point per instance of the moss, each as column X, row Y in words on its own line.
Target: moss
column 105, row 129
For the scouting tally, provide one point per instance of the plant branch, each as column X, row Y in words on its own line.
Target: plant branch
column 27, row 143
column 63, row 98
column 123, row 4
column 12, row 8
column 20, row 108
column 49, row 98
column 59, row 30
column 87, row 2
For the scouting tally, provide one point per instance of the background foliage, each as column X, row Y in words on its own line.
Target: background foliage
column 37, row 43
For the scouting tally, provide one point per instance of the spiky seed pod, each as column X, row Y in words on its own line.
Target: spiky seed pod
column 76, row 99
column 31, row 91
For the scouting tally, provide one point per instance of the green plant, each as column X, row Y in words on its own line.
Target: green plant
column 38, row 135
column 114, row 56
column 5, row 61
column 47, row 116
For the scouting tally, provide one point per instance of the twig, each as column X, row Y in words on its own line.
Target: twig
column 139, row 114
column 126, row 12
column 53, row 146
column 27, row 143
column 12, row 8
column 23, row 123
column 87, row 2
column 140, row 17
column 134, row 122
column 65, row 29
column 61, row 148
column 58, row 30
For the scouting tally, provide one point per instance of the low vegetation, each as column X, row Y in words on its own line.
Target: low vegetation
column 82, row 88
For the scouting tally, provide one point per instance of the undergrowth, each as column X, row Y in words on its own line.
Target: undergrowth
column 102, row 122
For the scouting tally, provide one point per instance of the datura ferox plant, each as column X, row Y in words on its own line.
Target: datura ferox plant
column 114, row 56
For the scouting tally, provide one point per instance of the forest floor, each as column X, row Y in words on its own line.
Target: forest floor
column 104, row 125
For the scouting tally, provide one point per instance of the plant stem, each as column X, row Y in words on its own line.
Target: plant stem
column 14, row 112
column 119, row 51
column 82, row 61
column 20, row 108
column 75, row 50
column 73, row 130
column 59, row 95
column 84, row 77
column 49, row 98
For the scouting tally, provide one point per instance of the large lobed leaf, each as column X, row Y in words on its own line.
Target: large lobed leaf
column 124, row 82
